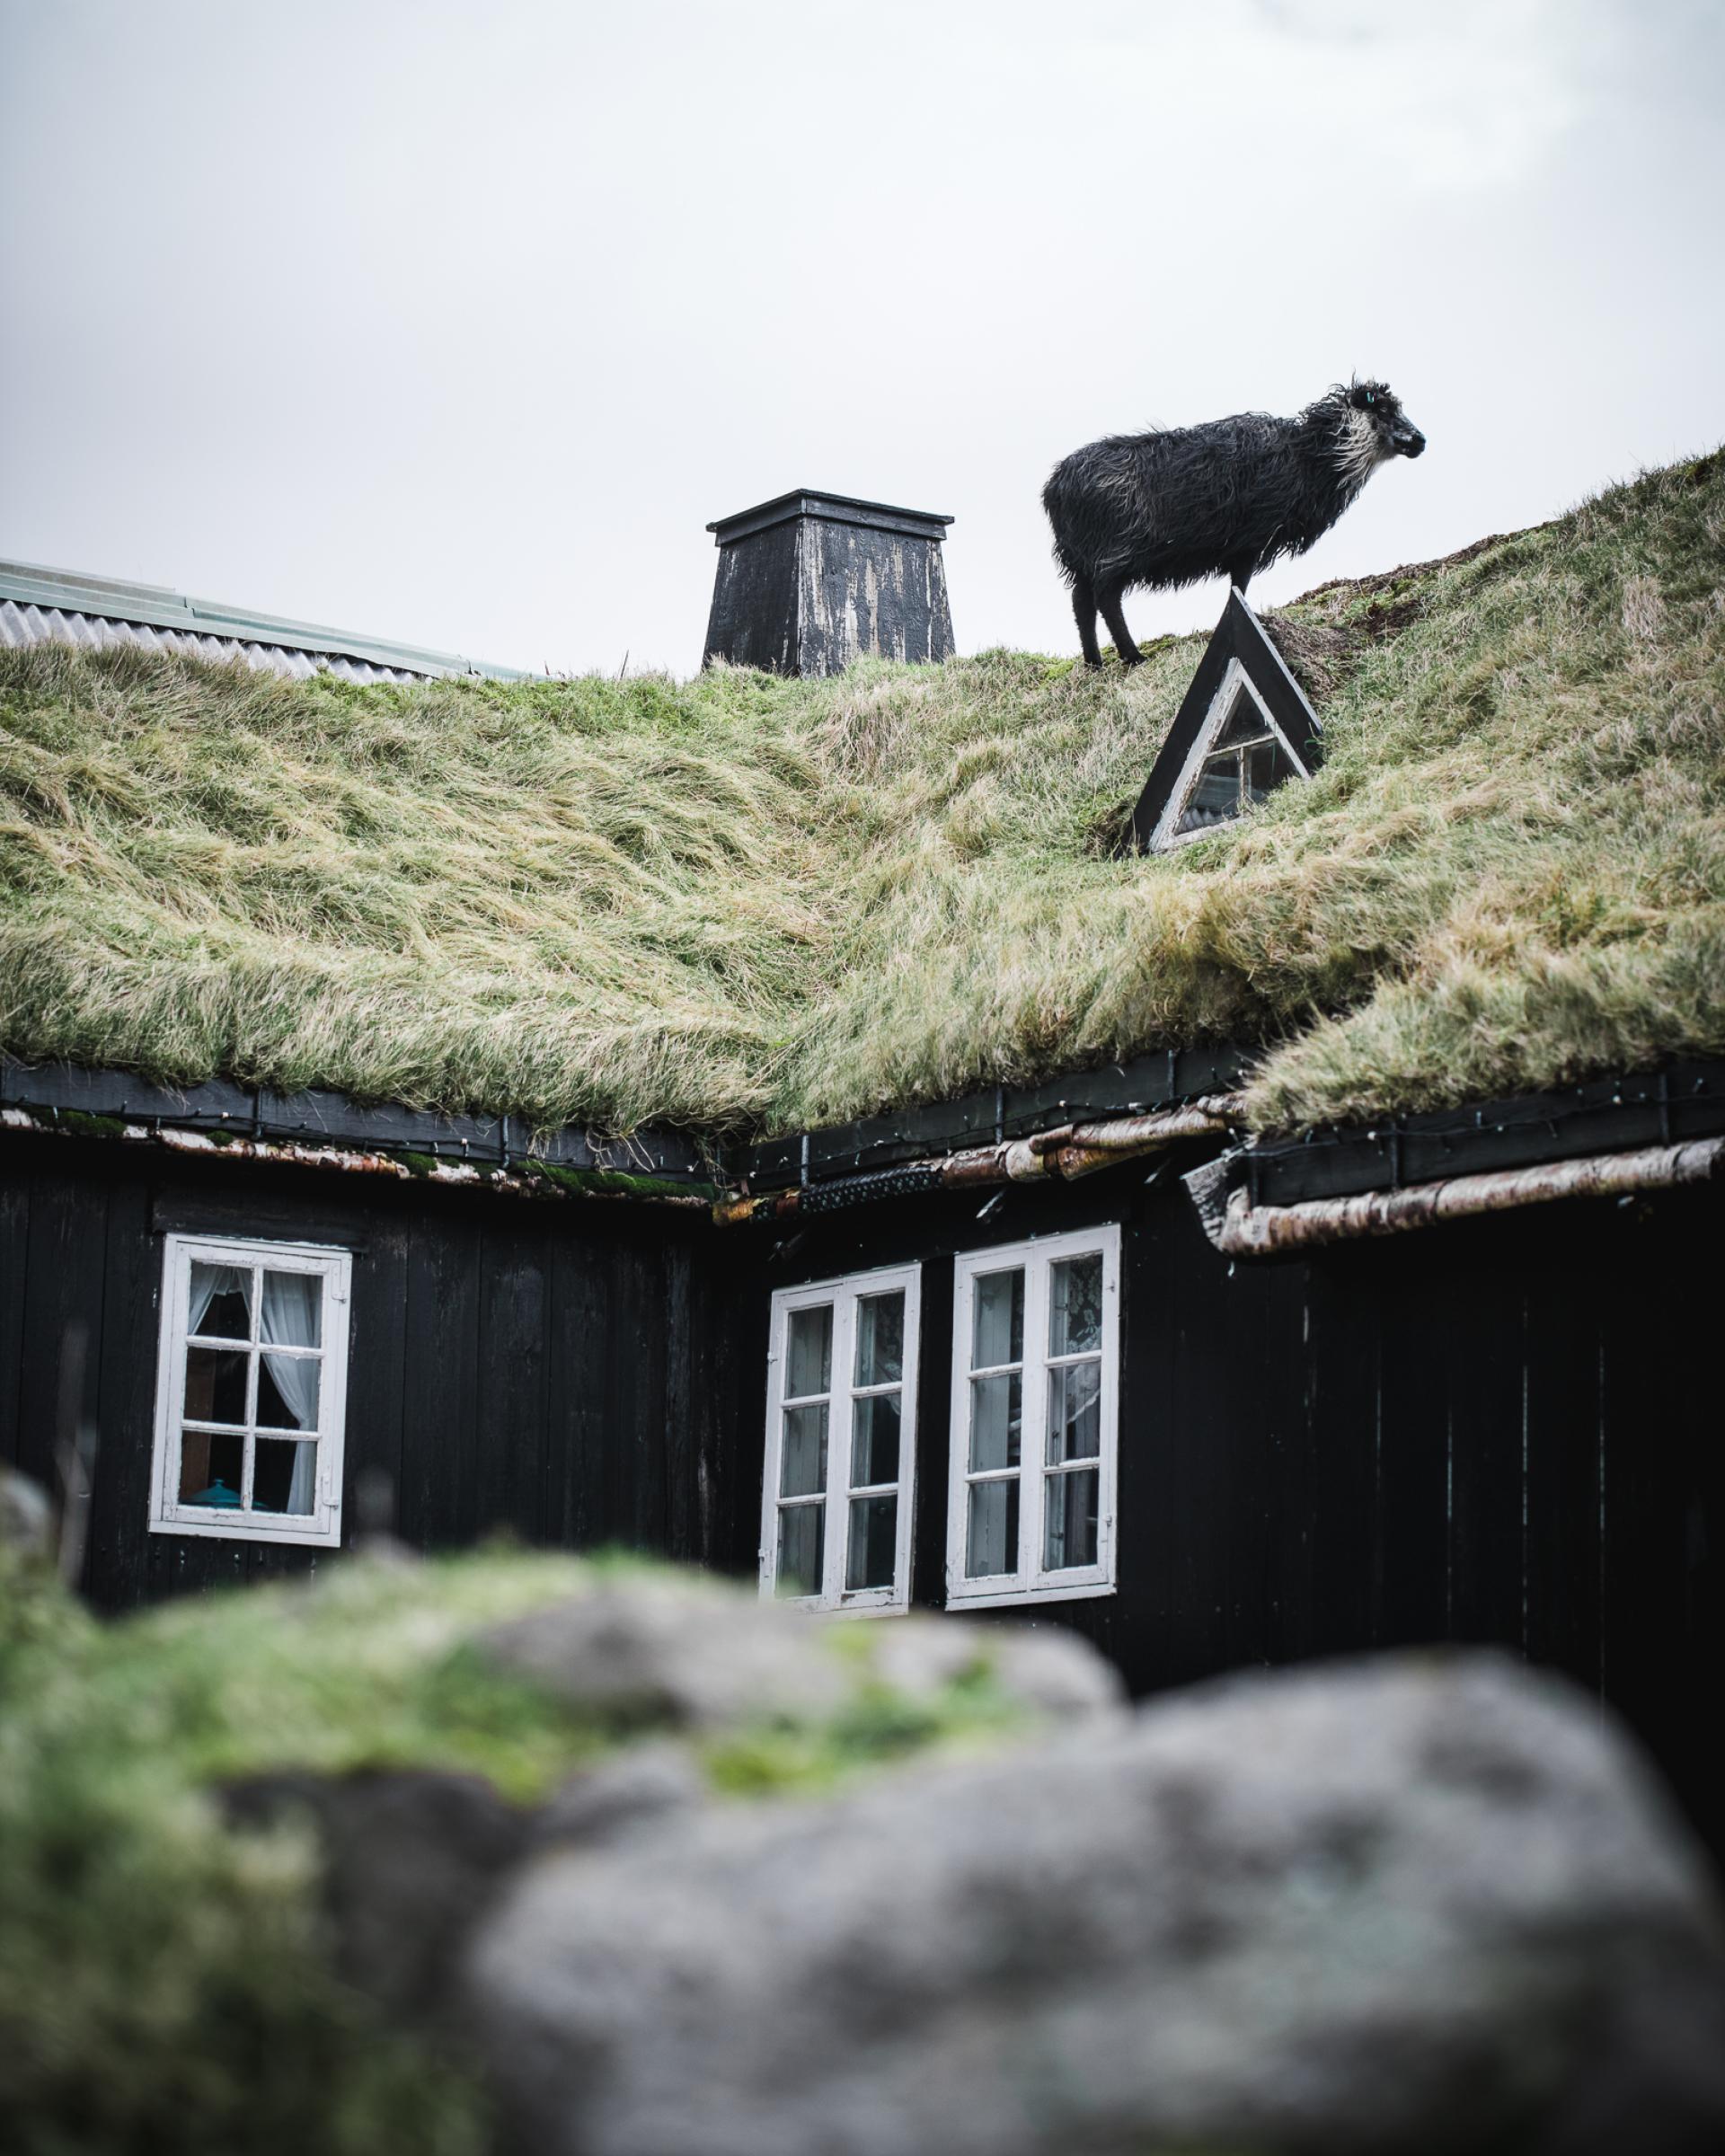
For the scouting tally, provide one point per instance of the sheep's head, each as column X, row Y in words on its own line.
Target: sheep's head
column 1379, row 409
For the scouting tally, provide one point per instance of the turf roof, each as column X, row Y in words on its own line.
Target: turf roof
column 753, row 904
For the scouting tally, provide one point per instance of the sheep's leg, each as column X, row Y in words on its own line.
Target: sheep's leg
column 1083, row 607
column 1109, row 600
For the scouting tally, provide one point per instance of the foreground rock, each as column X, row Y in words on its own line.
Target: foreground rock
column 686, row 1652
column 1401, row 1906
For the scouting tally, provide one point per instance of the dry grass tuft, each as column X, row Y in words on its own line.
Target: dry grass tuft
column 747, row 903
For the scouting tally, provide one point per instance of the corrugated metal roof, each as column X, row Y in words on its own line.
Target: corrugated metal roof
column 55, row 606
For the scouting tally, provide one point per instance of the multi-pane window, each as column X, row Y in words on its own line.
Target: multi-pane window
column 1036, row 1353
column 841, row 1416
column 1247, row 762
column 251, row 1391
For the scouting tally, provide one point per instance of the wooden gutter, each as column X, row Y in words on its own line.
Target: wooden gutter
column 1239, row 1229
column 1065, row 1152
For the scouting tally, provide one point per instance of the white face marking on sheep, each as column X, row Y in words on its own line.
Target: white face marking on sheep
column 1360, row 448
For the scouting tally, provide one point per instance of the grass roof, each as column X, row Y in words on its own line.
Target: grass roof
column 753, row 904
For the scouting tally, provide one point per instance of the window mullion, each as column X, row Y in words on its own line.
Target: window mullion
column 838, row 1446
column 249, row 1458
column 1034, row 1450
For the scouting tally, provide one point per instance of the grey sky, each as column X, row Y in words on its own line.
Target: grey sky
column 459, row 323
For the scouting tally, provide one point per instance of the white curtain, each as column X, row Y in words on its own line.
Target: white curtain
column 208, row 1282
column 292, row 1307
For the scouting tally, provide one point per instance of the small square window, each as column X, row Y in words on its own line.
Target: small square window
column 1035, row 1416
column 841, row 1434
column 251, row 1391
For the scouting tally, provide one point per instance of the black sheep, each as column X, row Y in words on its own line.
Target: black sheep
column 1226, row 498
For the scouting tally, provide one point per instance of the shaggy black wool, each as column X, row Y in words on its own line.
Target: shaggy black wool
column 1225, row 499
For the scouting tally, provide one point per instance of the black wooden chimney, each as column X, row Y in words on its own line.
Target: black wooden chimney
column 809, row 582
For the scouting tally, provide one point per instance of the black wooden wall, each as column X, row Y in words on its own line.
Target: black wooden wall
column 1503, row 1431
column 552, row 1368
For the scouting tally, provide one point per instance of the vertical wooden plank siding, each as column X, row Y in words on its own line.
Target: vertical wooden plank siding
column 1488, row 1432
column 438, row 1506
column 1565, row 1437
column 1419, row 1316
column 1343, row 1420
column 126, row 1362
column 15, row 1239
column 581, row 1328
column 512, row 1431
column 1500, row 1431
column 65, row 1267
column 376, row 1365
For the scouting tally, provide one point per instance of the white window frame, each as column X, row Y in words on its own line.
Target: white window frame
column 1165, row 838
column 321, row 1528
column 1032, row 1582
column 844, row 1294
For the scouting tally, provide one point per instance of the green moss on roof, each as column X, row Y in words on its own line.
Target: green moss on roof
column 757, row 904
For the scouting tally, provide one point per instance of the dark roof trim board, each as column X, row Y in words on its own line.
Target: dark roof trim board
column 41, row 605
column 914, row 1134
column 921, row 1149
column 1682, row 1104
column 59, row 1090
column 1684, row 1099
column 525, row 1178
column 831, row 509
column 1238, row 638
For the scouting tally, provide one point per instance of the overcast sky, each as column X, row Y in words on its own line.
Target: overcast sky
column 459, row 323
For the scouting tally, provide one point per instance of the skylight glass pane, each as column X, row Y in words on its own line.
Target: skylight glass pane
column 1267, row 767
column 1244, row 721
column 1216, row 795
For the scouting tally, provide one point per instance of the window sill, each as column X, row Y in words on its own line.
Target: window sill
column 853, row 1606
column 299, row 1538
column 1028, row 1597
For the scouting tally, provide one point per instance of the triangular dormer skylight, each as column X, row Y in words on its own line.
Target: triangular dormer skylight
column 1244, row 727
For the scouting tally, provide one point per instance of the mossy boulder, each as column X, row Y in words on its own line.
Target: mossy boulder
column 184, row 1793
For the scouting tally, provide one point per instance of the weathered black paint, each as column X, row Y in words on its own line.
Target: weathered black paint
column 1500, row 1431
column 809, row 582
column 321, row 1118
column 511, row 1365
column 1685, row 1100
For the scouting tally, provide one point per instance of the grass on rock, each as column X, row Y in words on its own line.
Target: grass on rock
column 750, row 903
column 165, row 1981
